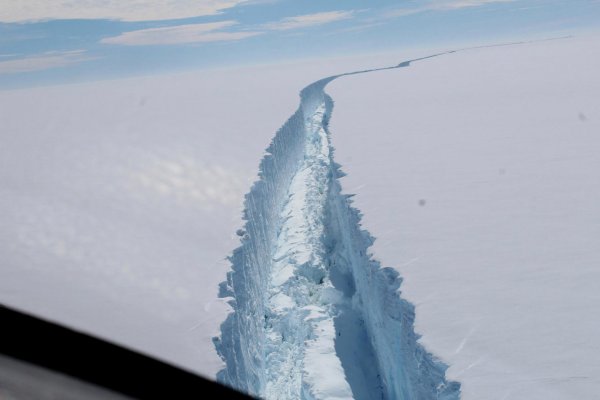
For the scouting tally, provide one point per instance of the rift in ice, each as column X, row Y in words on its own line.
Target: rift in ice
column 314, row 317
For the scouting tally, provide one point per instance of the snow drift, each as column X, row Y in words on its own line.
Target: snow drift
column 314, row 316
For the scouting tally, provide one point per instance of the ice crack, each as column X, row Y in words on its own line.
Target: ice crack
column 314, row 317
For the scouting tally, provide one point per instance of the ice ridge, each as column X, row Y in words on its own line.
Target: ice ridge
column 314, row 316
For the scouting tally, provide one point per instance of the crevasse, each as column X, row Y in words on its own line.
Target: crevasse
column 314, row 316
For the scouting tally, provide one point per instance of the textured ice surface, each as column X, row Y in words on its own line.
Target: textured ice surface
column 314, row 317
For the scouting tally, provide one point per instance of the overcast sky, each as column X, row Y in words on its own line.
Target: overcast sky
column 61, row 41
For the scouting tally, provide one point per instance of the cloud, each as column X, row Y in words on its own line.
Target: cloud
column 43, row 61
column 124, row 10
column 443, row 5
column 192, row 33
column 259, row 2
column 360, row 27
column 215, row 31
column 303, row 21
column 451, row 5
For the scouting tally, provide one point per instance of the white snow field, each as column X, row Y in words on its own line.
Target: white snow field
column 119, row 200
column 479, row 174
column 476, row 171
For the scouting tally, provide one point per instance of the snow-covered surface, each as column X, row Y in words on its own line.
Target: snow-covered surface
column 119, row 200
column 478, row 173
